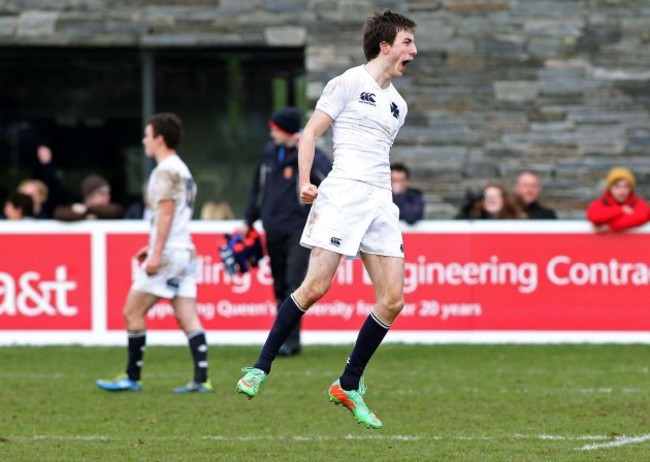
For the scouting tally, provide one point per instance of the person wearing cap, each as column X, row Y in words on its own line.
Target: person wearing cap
column 618, row 208
column 274, row 200
column 96, row 203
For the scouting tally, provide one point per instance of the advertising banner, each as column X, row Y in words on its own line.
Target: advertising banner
column 452, row 282
column 45, row 282
column 495, row 281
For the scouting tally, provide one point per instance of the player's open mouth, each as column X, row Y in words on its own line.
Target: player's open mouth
column 406, row 62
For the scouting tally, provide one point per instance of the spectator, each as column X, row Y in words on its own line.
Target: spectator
column 19, row 206
column 472, row 206
column 619, row 208
column 274, row 199
column 44, row 188
column 493, row 203
column 499, row 204
column 213, row 210
column 38, row 192
column 408, row 200
column 527, row 190
column 96, row 204
column 47, row 172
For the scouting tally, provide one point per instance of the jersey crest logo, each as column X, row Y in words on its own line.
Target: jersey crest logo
column 394, row 110
column 367, row 98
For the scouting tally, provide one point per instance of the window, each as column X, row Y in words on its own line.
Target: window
column 88, row 106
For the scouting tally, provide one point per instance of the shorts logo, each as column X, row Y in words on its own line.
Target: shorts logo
column 335, row 241
column 367, row 98
column 394, row 110
column 401, row 247
column 174, row 283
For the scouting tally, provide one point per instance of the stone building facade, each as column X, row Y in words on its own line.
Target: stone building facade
column 560, row 87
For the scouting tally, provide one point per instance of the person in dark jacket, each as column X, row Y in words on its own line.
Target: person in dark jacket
column 45, row 186
column 619, row 208
column 274, row 200
column 408, row 200
column 528, row 189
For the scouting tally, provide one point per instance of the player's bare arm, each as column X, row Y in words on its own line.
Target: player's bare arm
column 164, row 224
column 317, row 125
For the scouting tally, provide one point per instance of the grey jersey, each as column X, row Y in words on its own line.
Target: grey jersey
column 172, row 179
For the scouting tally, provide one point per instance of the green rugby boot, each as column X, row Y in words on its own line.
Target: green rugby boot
column 353, row 400
column 250, row 383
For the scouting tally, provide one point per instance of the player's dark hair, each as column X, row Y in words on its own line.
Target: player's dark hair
column 383, row 27
column 397, row 167
column 169, row 126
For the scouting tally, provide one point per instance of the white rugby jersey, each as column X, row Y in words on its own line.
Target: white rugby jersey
column 172, row 179
column 366, row 121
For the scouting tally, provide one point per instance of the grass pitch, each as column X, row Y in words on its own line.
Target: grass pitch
column 438, row 403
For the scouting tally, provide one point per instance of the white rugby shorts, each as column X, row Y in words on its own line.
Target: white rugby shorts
column 349, row 217
column 176, row 277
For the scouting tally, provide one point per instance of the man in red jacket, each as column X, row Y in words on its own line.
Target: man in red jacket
column 619, row 208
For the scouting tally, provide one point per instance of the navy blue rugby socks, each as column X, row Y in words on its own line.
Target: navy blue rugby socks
column 289, row 314
column 370, row 336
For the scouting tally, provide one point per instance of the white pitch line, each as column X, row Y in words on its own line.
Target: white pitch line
column 404, row 437
column 544, row 436
column 72, row 437
column 618, row 441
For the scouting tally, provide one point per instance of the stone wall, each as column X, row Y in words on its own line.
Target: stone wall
column 558, row 86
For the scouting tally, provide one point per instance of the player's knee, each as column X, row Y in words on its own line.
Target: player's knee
column 131, row 317
column 312, row 291
column 393, row 303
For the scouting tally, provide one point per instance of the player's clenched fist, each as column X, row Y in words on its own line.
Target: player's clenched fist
column 308, row 193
